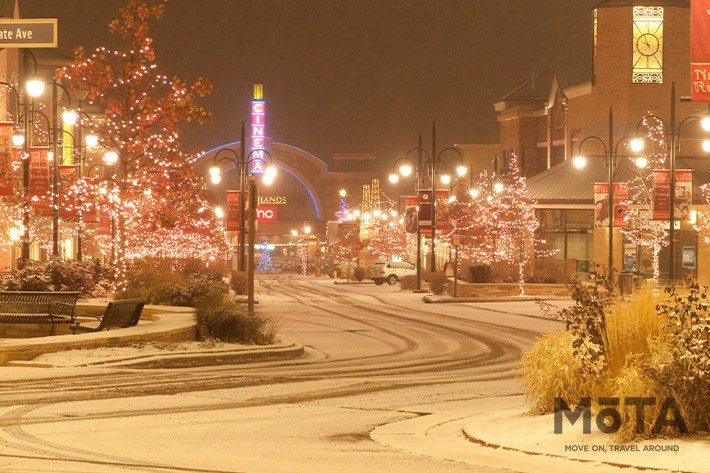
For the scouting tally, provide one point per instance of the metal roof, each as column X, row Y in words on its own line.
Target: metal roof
column 565, row 184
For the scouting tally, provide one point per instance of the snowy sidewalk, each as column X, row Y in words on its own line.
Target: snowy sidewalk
column 505, row 423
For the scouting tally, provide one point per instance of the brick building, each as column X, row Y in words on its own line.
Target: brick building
column 641, row 49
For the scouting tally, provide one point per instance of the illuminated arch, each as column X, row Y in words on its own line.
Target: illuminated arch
column 302, row 165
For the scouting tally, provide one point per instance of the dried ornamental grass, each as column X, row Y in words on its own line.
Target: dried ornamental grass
column 630, row 326
column 549, row 370
column 631, row 381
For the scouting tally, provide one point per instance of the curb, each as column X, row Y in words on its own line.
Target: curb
column 458, row 300
column 280, row 351
column 197, row 359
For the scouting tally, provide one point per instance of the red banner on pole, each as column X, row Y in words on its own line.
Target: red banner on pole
column 443, row 221
column 411, row 213
column 234, row 210
column 424, row 198
column 662, row 194
column 601, row 204
column 104, row 223
column 89, row 207
column 40, row 174
column 700, row 50
column 7, row 158
column 68, row 175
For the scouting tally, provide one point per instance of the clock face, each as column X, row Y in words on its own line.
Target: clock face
column 648, row 44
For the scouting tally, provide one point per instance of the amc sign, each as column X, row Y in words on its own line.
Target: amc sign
column 266, row 213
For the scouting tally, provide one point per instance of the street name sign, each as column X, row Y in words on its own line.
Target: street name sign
column 32, row 33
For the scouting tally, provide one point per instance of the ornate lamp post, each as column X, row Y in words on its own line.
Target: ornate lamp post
column 240, row 165
column 435, row 161
column 611, row 157
column 269, row 174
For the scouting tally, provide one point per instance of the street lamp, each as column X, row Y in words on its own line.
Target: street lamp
column 31, row 88
column 269, row 174
column 435, row 161
column 611, row 156
column 35, row 88
column 241, row 165
column 406, row 169
column 307, row 232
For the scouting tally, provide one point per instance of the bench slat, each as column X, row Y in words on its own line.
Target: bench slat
column 21, row 307
column 123, row 313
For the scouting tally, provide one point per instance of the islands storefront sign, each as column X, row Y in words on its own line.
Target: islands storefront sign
column 33, row 33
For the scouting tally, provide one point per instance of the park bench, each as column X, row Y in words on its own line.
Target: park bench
column 36, row 307
column 118, row 314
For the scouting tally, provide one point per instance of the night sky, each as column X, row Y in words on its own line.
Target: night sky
column 355, row 76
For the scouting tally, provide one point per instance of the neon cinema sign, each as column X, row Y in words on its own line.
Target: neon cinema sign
column 258, row 131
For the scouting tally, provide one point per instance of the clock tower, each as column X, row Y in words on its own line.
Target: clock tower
column 640, row 49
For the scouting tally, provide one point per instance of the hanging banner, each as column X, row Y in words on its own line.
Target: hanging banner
column 233, row 210
column 7, row 158
column 411, row 214
column 424, row 204
column 700, row 50
column 89, row 207
column 67, row 198
column 40, row 174
column 601, row 204
column 443, row 220
column 662, row 194
column 683, row 194
column 104, row 223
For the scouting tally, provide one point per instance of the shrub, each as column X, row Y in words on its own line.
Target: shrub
column 547, row 270
column 59, row 275
column 408, row 283
column 550, row 369
column 480, row 273
column 229, row 321
column 638, row 348
column 359, row 273
column 437, row 282
column 239, row 282
column 687, row 332
column 586, row 320
column 195, row 291
column 144, row 275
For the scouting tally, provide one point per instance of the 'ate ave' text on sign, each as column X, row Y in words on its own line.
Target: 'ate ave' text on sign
column 34, row 33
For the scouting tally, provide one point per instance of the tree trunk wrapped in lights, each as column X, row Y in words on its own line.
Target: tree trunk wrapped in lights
column 642, row 229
